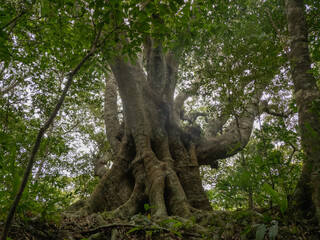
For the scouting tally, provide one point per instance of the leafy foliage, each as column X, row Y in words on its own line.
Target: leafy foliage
column 269, row 168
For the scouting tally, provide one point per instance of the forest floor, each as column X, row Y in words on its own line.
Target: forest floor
column 217, row 225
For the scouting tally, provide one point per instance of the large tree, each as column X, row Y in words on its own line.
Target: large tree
column 157, row 159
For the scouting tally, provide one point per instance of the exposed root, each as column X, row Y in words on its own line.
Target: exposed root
column 131, row 207
column 156, row 184
column 97, row 226
column 164, row 182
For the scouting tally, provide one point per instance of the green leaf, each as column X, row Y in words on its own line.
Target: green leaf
column 246, row 231
column 146, row 207
column 118, row 15
column 273, row 231
column 273, row 194
column 180, row 2
column 142, row 16
column 70, row 3
column 170, row 220
column 134, row 229
column 100, row 25
column 177, row 224
column 261, row 232
column 99, row 3
column 177, row 233
column 173, row 7
column 283, row 205
column 144, row 26
column 45, row 8
column 277, row 198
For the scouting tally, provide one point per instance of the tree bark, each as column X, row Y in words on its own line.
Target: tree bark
column 307, row 194
column 113, row 128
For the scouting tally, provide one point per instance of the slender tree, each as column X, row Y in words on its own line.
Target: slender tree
column 307, row 194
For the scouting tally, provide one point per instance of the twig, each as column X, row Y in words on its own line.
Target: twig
column 285, row 46
column 14, row 20
column 9, row 88
column 276, row 114
column 97, row 229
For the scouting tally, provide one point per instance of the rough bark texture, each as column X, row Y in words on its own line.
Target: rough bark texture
column 111, row 114
column 157, row 161
column 307, row 194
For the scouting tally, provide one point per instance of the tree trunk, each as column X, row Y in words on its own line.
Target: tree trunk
column 157, row 161
column 307, row 194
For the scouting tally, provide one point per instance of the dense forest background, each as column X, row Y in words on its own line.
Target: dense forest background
column 55, row 76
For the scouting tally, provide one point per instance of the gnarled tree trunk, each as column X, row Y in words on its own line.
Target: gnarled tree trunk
column 157, row 161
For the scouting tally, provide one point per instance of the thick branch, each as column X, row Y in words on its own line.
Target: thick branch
column 111, row 113
column 155, row 66
column 162, row 69
column 269, row 110
column 231, row 141
column 192, row 117
column 131, row 82
column 172, row 64
column 181, row 98
column 215, row 125
column 235, row 136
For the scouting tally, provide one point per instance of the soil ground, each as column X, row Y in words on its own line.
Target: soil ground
column 217, row 225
